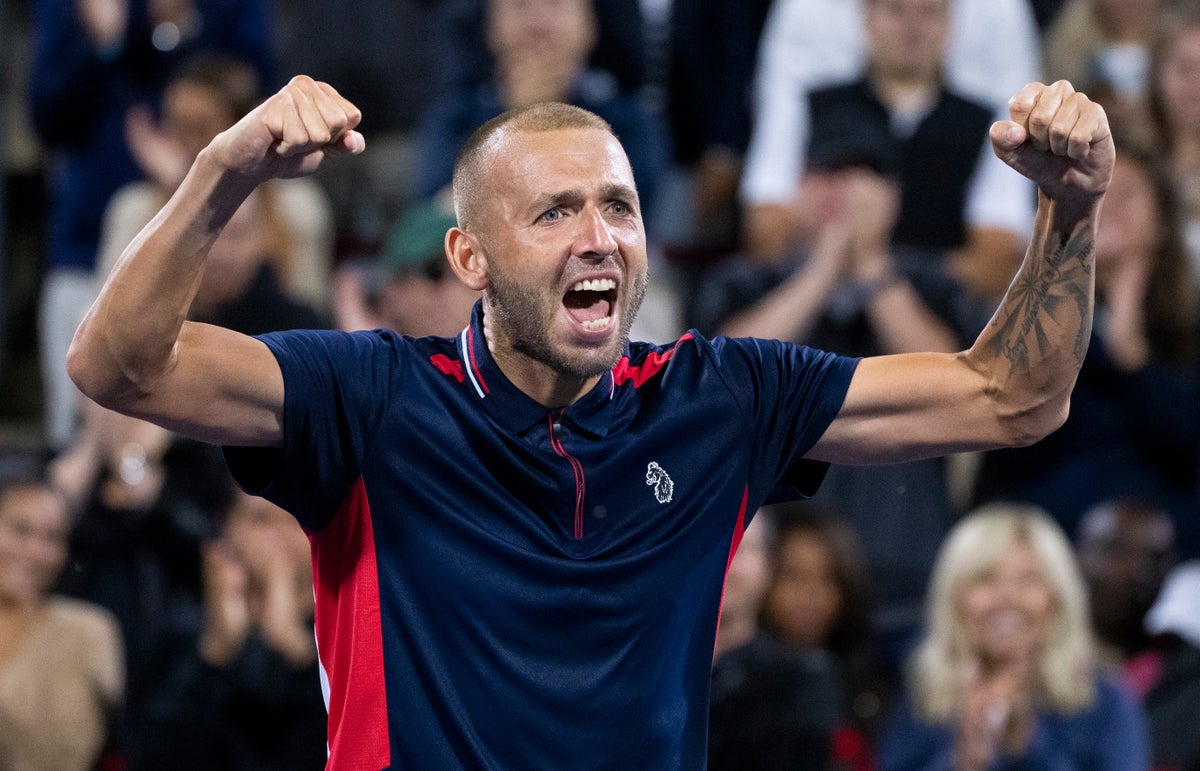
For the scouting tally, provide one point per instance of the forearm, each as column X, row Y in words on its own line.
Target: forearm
column 1033, row 347
column 127, row 339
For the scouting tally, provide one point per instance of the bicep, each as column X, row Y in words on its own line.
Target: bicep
column 911, row 406
column 222, row 387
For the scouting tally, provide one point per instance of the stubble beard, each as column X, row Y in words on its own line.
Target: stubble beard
column 525, row 323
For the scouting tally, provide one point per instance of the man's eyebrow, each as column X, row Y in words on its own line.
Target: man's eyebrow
column 547, row 201
column 575, row 197
column 620, row 193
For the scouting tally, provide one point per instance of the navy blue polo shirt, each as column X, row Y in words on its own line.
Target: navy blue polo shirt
column 503, row 586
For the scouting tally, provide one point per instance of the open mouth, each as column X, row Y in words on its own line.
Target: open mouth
column 591, row 303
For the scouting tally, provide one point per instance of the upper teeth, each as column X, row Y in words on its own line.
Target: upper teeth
column 594, row 285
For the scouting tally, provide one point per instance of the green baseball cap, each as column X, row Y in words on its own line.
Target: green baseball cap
column 418, row 236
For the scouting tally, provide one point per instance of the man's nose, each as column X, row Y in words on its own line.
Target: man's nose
column 594, row 237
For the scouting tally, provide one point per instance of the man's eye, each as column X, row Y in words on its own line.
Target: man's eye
column 620, row 207
column 550, row 215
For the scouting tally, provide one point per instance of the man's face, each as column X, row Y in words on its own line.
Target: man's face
column 1125, row 552
column 553, row 28
column 907, row 38
column 565, row 248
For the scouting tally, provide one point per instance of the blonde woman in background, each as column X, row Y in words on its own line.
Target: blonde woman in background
column 1006, row 675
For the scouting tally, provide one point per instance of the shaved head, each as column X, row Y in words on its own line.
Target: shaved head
column 476, row 156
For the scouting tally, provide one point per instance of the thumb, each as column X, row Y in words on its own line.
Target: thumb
column 349, row 143
column 1007, row 137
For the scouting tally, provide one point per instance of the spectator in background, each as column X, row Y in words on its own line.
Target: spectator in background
column 382, row 56
column 819, row 599
column 855, row 292
column 1006, row 675
column 773, row 706
column 239, row 691
column 540, row 50
column 991, row 49
column 712, row 54
column 149, row 498
column 1126, row 549
column 1132, row 428
column 410, row 287
column 1172, row 699
column 1103, row 48
column 1175, row 107
column 955, row 194
column 61, row 668
column 204, row 96
column 92, row 61
column 462, row 59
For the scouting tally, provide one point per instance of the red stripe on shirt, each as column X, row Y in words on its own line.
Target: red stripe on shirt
column 448, row 366
column 739, row 530
column 474, row 364
column 350, row 636
column 640, row 373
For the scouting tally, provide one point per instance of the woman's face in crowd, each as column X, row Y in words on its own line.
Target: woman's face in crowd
column 1007, row 609
column 1179, row 81
column 805, row 600
column 1129, row 222
column 34, row 529
column 193, row 114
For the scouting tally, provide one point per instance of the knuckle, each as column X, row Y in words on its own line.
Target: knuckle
column 1039, row 121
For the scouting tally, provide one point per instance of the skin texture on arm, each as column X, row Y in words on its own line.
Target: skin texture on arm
column 1012, row 386
column 135, row 352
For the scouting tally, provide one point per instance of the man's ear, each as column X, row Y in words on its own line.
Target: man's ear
column 467, row 258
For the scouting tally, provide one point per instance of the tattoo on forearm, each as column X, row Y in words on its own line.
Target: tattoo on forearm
column 1035, row 300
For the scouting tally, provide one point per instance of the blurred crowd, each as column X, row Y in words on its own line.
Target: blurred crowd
column 810, row 170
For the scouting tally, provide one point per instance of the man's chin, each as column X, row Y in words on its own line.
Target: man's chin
column 581, row 361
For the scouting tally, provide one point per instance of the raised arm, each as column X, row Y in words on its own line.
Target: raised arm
column 1012, row 387
column 135, row 352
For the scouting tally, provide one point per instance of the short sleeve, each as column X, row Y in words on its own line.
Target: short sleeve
column 337, row 388
column 789, row 394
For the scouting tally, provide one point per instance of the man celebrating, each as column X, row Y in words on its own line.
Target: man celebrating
column 520, row 534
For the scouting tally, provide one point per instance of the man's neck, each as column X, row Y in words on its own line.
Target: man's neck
column 536, row 379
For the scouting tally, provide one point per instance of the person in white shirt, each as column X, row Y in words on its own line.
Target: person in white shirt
column 991, row 50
